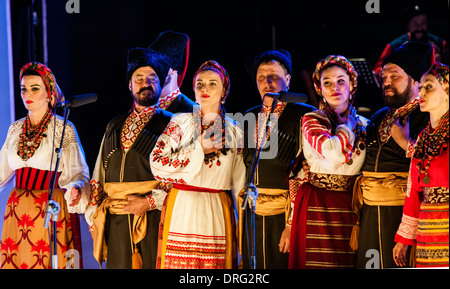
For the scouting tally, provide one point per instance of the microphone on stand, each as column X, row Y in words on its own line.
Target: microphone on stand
column 78, row 100
column 287, row 96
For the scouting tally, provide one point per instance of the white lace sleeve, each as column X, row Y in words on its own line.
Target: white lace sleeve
column 75, row 172
column 6, row 172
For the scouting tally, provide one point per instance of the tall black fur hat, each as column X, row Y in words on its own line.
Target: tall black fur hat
column 414, row 57
column 175, row 45
column 281, row 55
column 139, row 57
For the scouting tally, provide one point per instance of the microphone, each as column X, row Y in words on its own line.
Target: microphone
column 289, row 97
column 78, row 100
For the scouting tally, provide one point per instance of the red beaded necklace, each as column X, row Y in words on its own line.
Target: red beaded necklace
column 430, row 144
column 211, row 129
column 30, row 138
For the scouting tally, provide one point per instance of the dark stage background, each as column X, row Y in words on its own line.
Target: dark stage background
column 87, row 50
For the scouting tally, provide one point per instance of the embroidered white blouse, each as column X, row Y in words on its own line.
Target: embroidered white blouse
column 178, row 157
column 339, row 153
column 73, row 167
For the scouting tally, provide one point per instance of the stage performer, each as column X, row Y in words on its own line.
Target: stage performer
column 276, row 178
column 334, row 146
column 380, row 192
column 201, row 154
column 425, row 213
column 28, row 154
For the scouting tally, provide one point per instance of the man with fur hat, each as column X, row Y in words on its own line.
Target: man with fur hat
column 380, row 191
column 272, row 72
column 124, row 211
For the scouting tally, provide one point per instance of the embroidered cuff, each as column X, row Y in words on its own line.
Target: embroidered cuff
column 411, row 148
column 408, row 227
column 151, row 201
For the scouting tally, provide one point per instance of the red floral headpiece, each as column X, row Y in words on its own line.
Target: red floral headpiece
column 335, row 60
column 219, row 69
column 440, row 71
column 53, row 90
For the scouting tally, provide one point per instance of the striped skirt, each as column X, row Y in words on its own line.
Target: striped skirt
column 322, row 224
column 25, row 242
column 432, row 235
column 197, row 230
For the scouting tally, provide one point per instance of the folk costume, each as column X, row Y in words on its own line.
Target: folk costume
column 323, row 215
column 27, row 155
column 123, row 169
column 380, row 192
column 425, row 213
column 198, row 220
column 274, row 176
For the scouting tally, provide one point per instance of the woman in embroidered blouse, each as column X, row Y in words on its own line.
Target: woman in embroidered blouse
column 333, row 145
column 26, row 155
column 201, row 155
column 425, row 213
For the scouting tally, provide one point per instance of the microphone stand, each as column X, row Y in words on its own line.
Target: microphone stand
column 250, row 191
column 53, row 207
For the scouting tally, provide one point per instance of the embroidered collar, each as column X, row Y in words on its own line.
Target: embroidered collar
column 280, row 107
column 165, row 101
column 384, row 131
column 134, row 124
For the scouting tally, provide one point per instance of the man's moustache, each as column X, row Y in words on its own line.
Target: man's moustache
column 144, row 89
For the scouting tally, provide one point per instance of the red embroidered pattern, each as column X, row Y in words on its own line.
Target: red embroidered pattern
column 165, row 101
column 384, row 131
column 317, row 130
column 174, row 132
column 151, row 201
column 411, row 148
column 193, row 251
column 97, row 193
column 262, row 119
column 25, row 243
column 158, row 157
column 134, row 124
column 170, row 180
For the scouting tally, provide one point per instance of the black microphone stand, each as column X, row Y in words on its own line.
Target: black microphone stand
column 250, row 191
column 53, row 207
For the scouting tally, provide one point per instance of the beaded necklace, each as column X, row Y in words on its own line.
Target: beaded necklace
column 430, row 144
column 30, row 138
column 212, row 128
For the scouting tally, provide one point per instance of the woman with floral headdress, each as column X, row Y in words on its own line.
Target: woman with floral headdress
column 333, row 145
column 425, row 213
column 201, row 155
column 28, row 155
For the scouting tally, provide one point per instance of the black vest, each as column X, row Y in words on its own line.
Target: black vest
column 136, row 165
column 391, row 157
column 274, row 173
column 181, row 104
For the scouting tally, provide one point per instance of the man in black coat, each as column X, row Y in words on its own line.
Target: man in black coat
column 124, row 211
column 272, row 72
column 385, row 170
